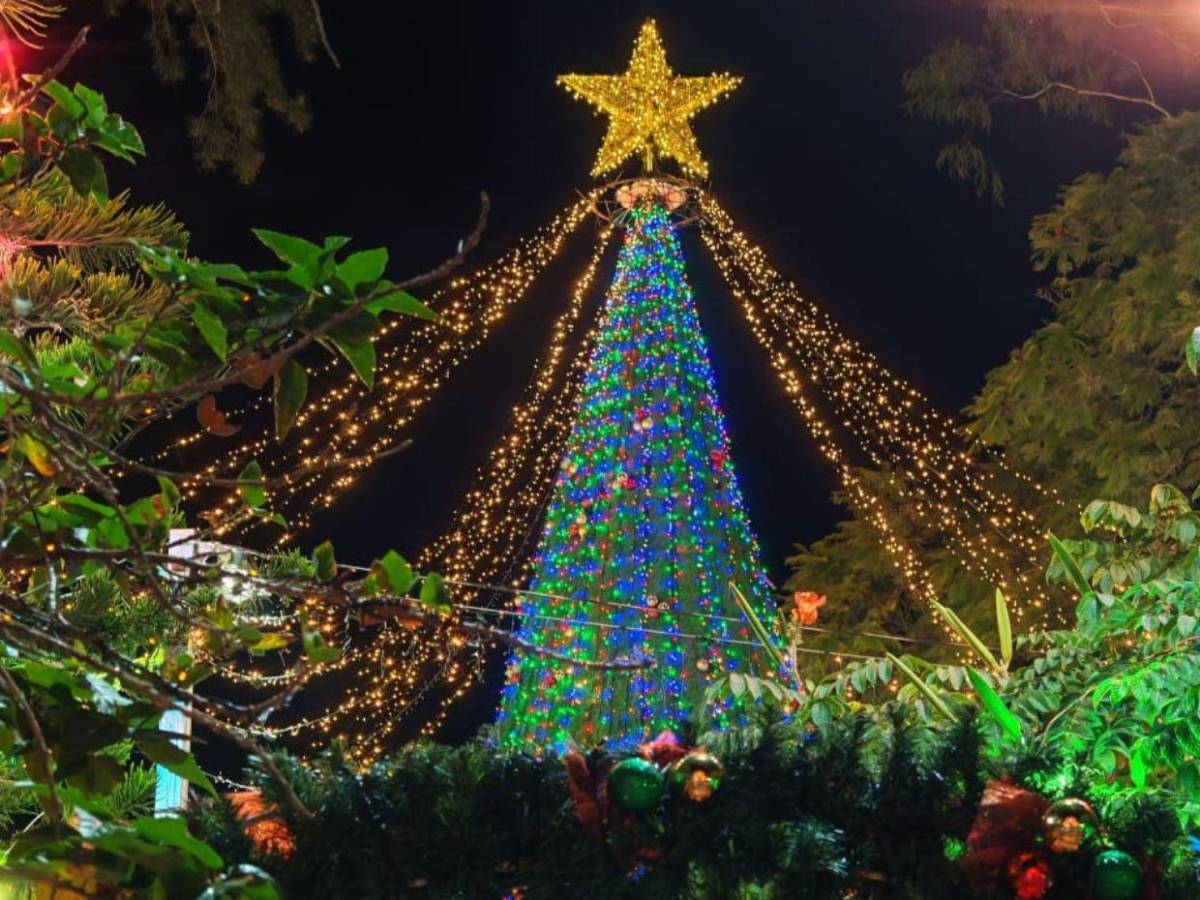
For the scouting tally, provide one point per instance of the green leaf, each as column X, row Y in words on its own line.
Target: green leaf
column 158, row 749
column 353, row 341
column 920, row 685
column 250, row 485
column 211, row 328
column 1009, row 722
column 85, row 173
column 15, row 347
column 291, row 388
column 362, row 267
column 169, row 491
column 967, row 634
column 1137, row 765
column 171, row 831
column 61, row 94
column 271, row 641
column 1192, row 350
column 737, row 684
column 397, row 573
column 1069, row 565
column 1186, row 624
column 433, row 593
column 316, row 648
column 290, row 249
column 324, row 562
column 401, row 302
column 1004, row 626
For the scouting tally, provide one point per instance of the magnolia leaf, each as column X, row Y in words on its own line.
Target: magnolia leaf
column 290, row 249
column 362, row 267
column 291, row 388
column 158, row 749
column 211, row 328
column 250, row 485
column 401, row 302
column 172, row 831
column 212, row 419
column 353, row 341
column 316, row 648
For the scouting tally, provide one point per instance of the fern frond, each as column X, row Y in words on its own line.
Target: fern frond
column 50, row 215
column 66, row 301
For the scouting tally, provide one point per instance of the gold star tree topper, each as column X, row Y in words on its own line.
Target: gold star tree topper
column 650, row 107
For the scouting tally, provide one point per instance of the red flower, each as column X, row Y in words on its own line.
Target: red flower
column 1033, row 882
column 807, row 603
column 269, row 834
column 664, row 749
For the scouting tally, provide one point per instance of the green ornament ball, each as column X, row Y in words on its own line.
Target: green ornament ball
column 1116, row 876
column 635, row 785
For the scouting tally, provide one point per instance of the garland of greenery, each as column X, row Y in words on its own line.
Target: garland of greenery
column 878, row 804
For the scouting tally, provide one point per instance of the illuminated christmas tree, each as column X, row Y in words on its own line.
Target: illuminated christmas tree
column 645, row 529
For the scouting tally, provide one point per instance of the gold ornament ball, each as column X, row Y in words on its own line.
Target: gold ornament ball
column 697, row 775
column 1069, row 825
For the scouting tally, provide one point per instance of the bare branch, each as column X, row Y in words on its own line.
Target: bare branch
column 25, row 97
column 1085, row 92
column 320, row 20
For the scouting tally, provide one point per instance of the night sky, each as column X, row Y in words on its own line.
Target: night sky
column 813, row 155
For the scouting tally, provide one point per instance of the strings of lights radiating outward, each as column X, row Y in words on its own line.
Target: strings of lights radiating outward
column 415, row 358
column 925, row 459
column 891, row 421
column 386, row 677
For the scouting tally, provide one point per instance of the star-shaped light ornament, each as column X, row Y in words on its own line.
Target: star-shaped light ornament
column 650, row 107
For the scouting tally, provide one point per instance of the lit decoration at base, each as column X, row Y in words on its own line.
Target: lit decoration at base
column 646, row 513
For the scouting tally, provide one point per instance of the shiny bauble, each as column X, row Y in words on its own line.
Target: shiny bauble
column 697, row 775
column 1116, row 876
column 1069, row 825
column 635, row 785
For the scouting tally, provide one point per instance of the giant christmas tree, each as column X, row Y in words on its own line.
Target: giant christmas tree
column 645, row 529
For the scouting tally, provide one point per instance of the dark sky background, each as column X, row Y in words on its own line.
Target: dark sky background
column 813, row 155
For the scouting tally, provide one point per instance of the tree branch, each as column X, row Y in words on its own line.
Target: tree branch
column 1085, row 92
column 39, row 740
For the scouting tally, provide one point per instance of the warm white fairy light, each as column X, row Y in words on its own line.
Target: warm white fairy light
column 925, row 459
column 401, row 667
column 348, row 421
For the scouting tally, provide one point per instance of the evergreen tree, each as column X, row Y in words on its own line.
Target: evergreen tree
column 1097, row 402
column 645, row 529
